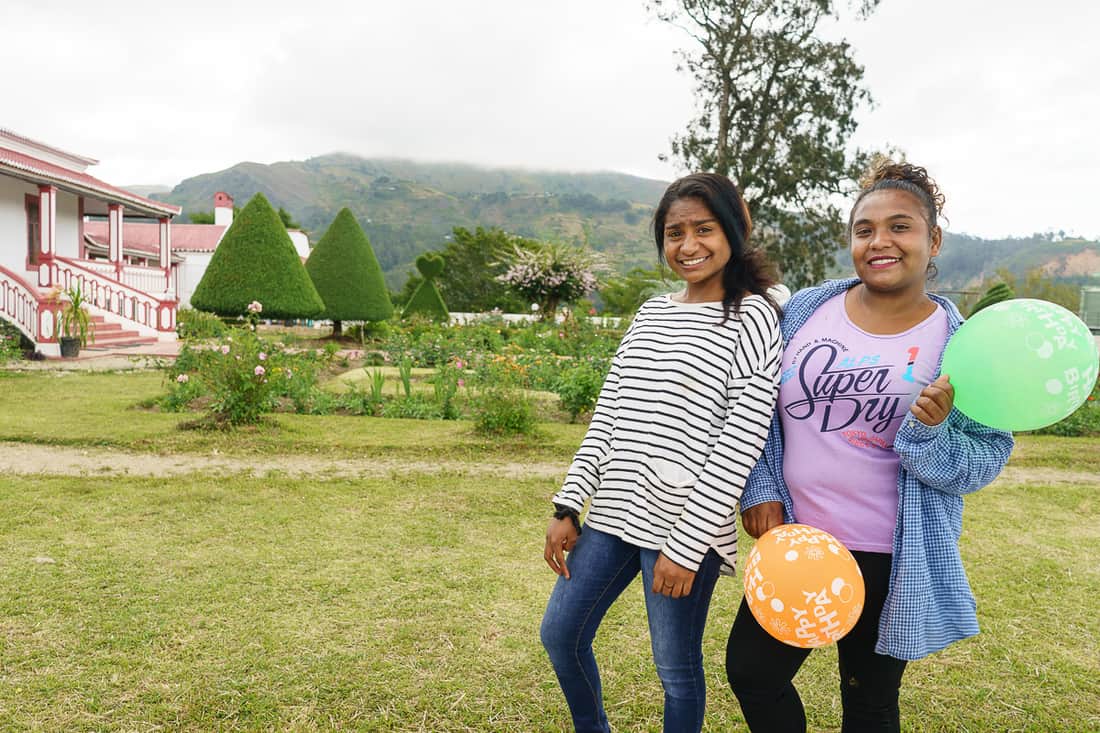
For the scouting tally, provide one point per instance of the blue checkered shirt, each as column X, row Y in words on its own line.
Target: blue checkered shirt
column 929, row 604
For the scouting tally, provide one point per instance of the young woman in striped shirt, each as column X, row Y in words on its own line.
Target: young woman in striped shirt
column 680, row 421
column 867, row 446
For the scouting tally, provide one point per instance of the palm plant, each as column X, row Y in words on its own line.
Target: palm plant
column 75, row 322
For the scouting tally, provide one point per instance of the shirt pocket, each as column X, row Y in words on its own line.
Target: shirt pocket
column 671, row 480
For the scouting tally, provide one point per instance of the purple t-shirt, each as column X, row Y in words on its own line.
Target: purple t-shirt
column 843, row 395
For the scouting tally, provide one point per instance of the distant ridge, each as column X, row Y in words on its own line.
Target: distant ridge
column 408, row 207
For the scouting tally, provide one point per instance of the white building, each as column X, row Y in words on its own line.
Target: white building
column 45, row 197
column 193, row 245
column 60, row 226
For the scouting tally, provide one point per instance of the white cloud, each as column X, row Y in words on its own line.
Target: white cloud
column 998, row 101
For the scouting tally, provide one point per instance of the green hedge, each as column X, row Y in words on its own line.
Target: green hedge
column 426, row 300
column 346, row 273
column 257, row 261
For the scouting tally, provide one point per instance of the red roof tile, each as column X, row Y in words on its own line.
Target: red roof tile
column 145, row 236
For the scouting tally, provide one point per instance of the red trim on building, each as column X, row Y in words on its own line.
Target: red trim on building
column 80, row 227
column 15, row 163
column 75, row 157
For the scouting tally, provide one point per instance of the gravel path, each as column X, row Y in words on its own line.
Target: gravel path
column 32, row 458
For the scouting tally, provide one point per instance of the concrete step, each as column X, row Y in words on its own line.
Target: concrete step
column 112, row 345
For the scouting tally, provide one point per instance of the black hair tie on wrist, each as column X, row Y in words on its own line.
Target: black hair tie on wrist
column 561, row 512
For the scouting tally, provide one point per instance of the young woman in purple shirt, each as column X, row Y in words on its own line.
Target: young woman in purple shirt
column 866, row 445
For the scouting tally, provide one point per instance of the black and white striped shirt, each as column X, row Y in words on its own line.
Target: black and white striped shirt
column 680, row 422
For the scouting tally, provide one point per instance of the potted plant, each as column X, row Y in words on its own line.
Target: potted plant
column 74, row 325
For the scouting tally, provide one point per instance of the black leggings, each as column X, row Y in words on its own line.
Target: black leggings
column 760, row 668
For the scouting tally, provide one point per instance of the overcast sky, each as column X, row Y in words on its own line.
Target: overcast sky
column 999, row 100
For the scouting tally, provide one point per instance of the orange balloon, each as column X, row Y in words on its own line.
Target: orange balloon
column 803, row 586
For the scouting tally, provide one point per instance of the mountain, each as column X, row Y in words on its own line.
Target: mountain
column 407, row 207
column 154, row 190
column 965, row 262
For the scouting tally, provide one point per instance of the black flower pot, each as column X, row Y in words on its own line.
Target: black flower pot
column 70, row 347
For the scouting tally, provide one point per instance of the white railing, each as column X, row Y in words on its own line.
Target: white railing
column 121, row 299
column 19, row 303
column 107, row 269
column 148, row 279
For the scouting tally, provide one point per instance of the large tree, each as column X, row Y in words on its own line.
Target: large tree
column 347, row 276
column 474, row 260
column 256, row 261
column 776, row 106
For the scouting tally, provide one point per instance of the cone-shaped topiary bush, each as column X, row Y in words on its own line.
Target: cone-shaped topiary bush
column 347, row 275
column 995, row 294
column 426, row 300
column 256, row 261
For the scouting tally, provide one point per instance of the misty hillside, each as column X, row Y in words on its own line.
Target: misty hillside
column 408, row 207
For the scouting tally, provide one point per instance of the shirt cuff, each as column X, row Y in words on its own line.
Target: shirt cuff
column 918, row 432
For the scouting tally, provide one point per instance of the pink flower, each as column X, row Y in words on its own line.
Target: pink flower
column 255, row 307
column 183, row 379
column 225, row 349
column 591, row 311
column 458, row 364
column 259, row 371
column 263, row 356
column 462, row 383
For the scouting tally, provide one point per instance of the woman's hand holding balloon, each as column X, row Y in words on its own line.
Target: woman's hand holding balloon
column 934, row 402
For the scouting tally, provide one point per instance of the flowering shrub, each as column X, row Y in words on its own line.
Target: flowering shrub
column 579, row 386
column 194, row 324
column 501, row 409
column 551, row 275
column 10, row 343
column 243, row 377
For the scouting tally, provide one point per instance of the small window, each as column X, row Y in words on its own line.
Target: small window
column 34, row 230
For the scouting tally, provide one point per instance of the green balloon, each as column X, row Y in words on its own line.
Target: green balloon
column 1021, row 364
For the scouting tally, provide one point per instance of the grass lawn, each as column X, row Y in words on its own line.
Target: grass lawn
column 88, row 409
column 412, row 602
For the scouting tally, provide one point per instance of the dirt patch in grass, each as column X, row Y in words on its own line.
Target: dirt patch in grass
column 31, row 458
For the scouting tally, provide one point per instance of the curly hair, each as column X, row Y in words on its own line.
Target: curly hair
column 886, row 175
column 748, row 269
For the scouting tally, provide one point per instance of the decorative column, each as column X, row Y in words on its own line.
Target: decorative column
column 166, row 251
column 80, row 228
column 114, row 237
column 47, row 224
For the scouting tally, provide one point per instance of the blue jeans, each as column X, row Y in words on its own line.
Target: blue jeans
column 602, row 566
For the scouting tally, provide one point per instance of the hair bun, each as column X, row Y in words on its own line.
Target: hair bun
column 882, row 169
